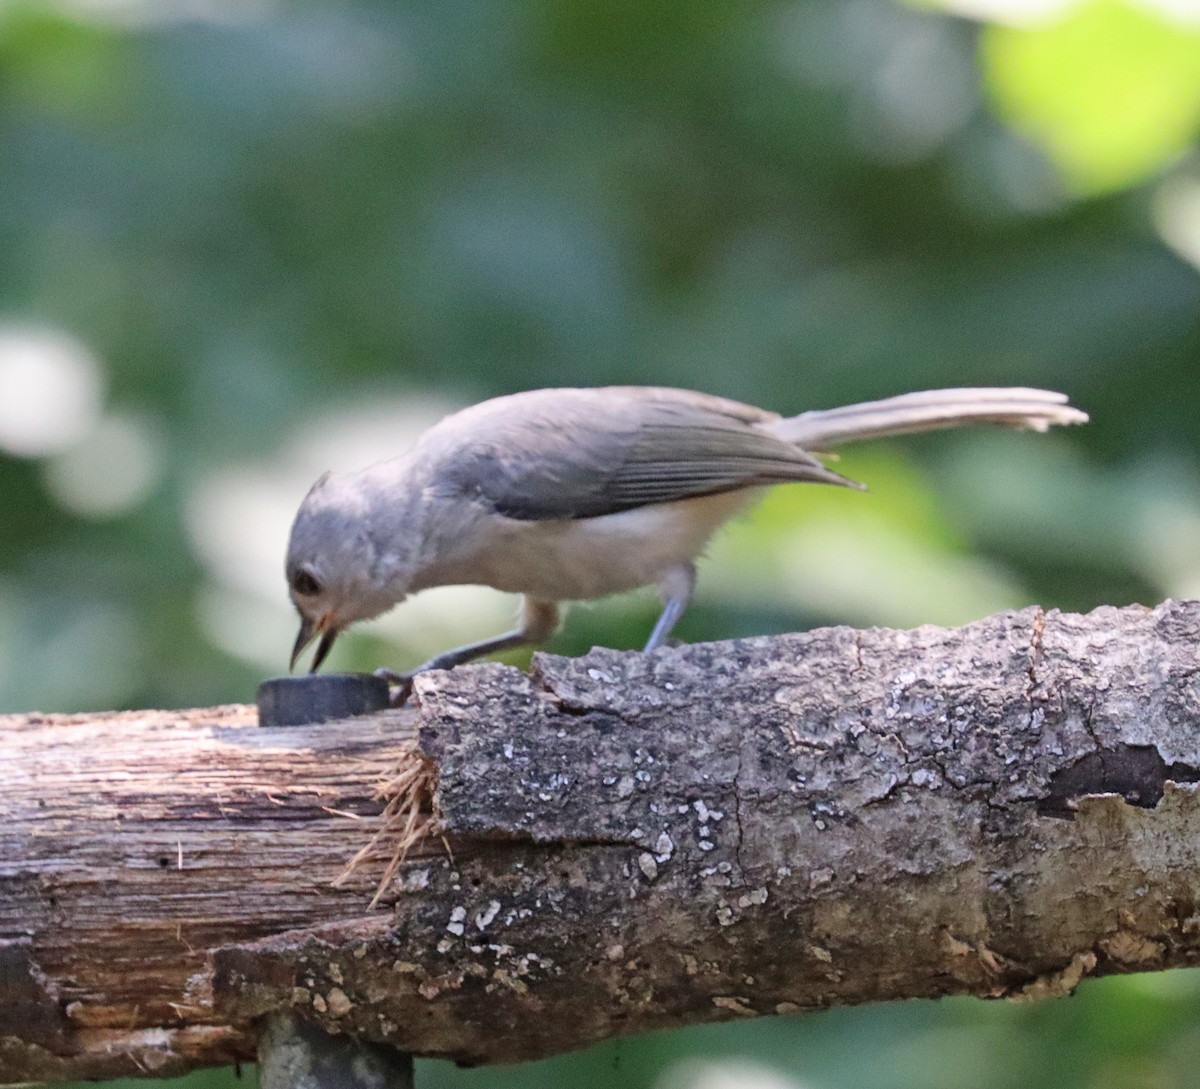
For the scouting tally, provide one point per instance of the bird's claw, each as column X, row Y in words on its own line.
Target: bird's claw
column 400, row 686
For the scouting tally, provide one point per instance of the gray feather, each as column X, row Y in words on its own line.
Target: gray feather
column 1034, row 409
column 583, row 453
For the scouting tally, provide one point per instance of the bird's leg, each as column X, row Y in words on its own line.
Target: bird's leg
column 538, row 621
column 676, row 591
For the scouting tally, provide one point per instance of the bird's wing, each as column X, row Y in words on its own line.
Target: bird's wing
column 580, row 453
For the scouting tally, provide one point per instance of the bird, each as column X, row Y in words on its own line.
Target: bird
column 577, row 493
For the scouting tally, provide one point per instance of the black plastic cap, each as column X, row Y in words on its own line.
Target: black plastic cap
column 319, row 697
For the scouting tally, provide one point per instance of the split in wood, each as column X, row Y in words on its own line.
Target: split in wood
column 407, row 818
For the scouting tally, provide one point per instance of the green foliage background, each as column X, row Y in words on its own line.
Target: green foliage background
column 267, row 237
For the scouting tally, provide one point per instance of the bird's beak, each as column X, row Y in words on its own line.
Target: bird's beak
column 309, row 630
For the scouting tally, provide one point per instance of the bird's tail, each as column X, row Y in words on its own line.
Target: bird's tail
column 1034, row 409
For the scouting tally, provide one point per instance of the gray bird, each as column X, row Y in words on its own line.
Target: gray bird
column 573, row 494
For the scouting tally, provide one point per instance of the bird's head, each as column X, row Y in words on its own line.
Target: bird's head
column 334, row 570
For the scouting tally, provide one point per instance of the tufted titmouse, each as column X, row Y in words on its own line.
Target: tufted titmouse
column 570, row 494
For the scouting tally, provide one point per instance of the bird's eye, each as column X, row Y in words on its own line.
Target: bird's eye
column 305, row 584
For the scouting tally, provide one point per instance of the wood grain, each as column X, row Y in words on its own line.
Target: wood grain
column 758, row 827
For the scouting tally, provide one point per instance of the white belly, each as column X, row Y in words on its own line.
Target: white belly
column 593, row 557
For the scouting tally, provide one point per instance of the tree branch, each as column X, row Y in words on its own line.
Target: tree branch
column 717, row 831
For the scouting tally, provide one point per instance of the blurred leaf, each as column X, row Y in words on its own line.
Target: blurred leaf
column 1111, row 89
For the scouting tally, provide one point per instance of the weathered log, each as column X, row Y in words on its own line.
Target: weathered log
column 625, row 843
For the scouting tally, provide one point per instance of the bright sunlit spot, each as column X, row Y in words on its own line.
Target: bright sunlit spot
column 886, row 577
column 111, row 470
column 245, row 626
column 731, row 1073
column 1012, row 12
column 1177, row 216
column 1110, row 90
column 50, row 390
column 1031, row 13
column 1166, row 545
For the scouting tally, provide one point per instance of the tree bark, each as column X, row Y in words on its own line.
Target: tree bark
column 625, row 843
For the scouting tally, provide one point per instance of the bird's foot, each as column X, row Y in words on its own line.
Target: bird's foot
column 400, row 686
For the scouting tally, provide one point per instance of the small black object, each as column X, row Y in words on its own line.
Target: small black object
column 319, row 697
